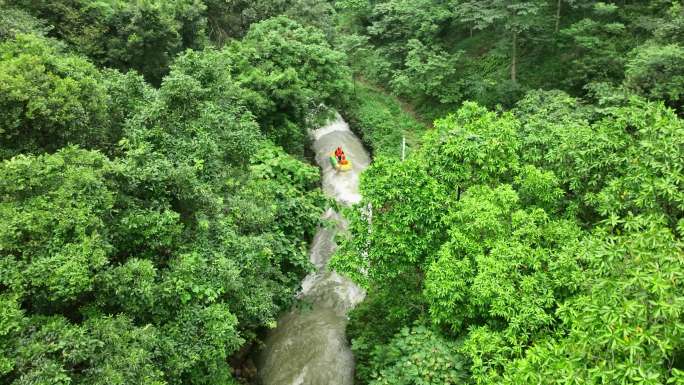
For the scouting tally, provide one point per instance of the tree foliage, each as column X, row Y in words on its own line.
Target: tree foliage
column 147, row 234
column 15, row 21
column 544, row 241
column 627, row 322
column 293, row 71
column 441, row 53
column 142, row 36
column 48, row 99
column 418, row 356
column 655, row 72
column 156, row 207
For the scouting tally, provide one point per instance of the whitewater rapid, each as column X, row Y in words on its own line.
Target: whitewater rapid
column 309, row 345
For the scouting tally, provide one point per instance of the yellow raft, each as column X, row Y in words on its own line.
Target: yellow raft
column 337, row 165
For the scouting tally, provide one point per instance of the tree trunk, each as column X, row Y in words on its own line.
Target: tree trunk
column 353, row 81
column 514, row 58
column 558, row 15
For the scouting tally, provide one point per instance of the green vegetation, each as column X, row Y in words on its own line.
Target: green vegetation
column 535, row 234
column 548, row 252
column 291, row 70
column 148, row 234
column 441, row 53
column 156, row 204
column 381, row 120
column 147, row 35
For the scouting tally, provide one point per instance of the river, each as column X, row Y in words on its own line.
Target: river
column 309, row 345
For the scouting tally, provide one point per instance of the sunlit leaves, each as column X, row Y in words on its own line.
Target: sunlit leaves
column 51, row 221
column 406, row 204
column 534, row 296
column 628, row 327
column 651, row 178
column 472, row 146
column 48, row 99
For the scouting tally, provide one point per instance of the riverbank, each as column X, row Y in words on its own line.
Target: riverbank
column 382, row 120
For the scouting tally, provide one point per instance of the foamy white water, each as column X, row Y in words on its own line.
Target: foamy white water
column 309, row 345
column 344, row 186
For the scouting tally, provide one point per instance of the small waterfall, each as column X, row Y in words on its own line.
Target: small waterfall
column 309, row 346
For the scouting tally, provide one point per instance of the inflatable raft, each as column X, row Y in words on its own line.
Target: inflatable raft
column 339, row 166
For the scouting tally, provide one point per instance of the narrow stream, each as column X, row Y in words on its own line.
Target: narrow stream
column 309, row 346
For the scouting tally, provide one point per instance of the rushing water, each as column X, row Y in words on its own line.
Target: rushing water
column 309, row 346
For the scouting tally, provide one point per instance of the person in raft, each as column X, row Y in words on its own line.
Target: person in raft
column 339, row 154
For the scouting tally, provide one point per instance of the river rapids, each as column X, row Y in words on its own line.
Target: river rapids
column 309, row 345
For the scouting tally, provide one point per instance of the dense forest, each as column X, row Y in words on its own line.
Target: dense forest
column 155, row 199
column 157, row 195
column 535, row 234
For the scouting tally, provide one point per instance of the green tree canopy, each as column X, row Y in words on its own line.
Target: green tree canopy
column 148, row 234
column 293, row 73
column 545, row 242
column 48, row 99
